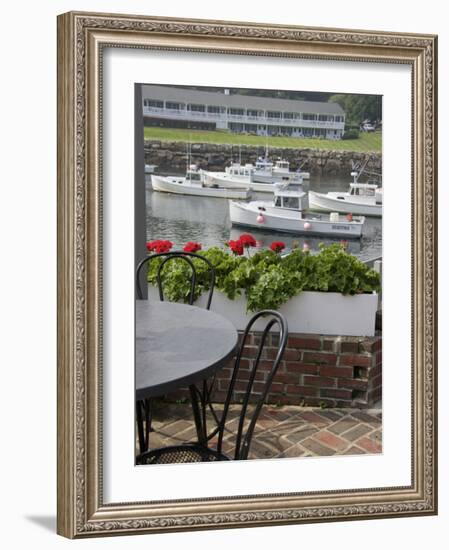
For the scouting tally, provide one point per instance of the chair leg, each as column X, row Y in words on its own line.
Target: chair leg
column 200, row 427
column 206, row 397
column 140, row 429
column 148, row 419
column 144, row 408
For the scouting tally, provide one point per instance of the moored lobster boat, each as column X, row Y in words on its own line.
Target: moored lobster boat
column 261, row 178
column 150, row 168
column 267, row 172
column 234, row 176
column 193, row 184
column 288, row 213
column 362, row 198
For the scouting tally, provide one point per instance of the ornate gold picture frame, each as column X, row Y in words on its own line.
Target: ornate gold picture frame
column 82, row 40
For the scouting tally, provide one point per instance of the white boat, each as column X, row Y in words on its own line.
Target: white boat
column 288, row 213
column 235, row 176
column 193, row 184
column 150, row 168
column 267, row 172
column 261, row 178
column 361, row 198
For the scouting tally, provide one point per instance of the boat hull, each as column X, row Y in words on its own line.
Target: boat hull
column 275, row 177
column 262, row 187
column 290, row 221
column 223, row 180
column 180, row 187
column 324, row 203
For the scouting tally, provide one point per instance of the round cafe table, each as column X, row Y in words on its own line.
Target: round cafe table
column 178, row 345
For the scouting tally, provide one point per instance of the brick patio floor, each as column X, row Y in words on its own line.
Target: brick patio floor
column 288, row 431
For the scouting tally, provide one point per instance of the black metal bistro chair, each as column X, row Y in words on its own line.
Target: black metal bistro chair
column 186, row 257
column 196, row 452
column 143, row 407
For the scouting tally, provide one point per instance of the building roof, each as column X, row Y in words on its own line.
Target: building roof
column 186, row 95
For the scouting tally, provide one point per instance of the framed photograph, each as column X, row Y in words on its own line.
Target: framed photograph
column 214, row 176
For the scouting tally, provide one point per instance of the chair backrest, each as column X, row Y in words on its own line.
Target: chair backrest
column 245, row 434
column 188, row 258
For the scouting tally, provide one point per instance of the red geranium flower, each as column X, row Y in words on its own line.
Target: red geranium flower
column 277, row 246
column 236, row 247
column 247, row 240
column 159, row 246
column 151, row 246
column 192, row 247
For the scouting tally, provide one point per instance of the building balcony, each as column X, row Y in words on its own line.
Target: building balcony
column 199, row 116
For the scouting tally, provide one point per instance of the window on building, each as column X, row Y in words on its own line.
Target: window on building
column 197, row 108
column 155, row 103
column 236, row 111
column 274, row 114
column 213, row 109
column 308, row 116
column 323, row 118
column 338, row 118
column 252, row 112
column 172, row 105
column 289, row 116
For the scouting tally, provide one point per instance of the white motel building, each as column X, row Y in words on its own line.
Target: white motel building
column 196, row 109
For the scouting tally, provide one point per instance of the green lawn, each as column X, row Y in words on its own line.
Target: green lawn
column 371, row 141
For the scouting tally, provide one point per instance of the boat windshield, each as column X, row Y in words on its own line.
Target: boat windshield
column 282, row 164
column 193, row 176
column 366, row 191
column 292, row 203
column 263, row 165
column 235, row 171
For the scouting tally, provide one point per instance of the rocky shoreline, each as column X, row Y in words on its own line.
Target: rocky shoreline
column 170, row 157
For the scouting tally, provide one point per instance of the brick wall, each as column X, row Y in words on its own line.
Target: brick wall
column 331, row 371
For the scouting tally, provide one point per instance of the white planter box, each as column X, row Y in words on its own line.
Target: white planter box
column 309, row 312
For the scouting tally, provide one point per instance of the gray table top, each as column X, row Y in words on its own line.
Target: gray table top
column 178, row 345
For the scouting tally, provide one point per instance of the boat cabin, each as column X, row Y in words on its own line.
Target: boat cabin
column 290, row 199
column 282, row 165
column 362, row 189
column 194, row 176
column 263, row 164
column 239, row 170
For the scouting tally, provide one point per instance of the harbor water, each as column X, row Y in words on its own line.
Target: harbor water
column 181, row 218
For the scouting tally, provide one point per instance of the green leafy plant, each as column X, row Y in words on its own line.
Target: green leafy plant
column 350, row 134
column 267, row 279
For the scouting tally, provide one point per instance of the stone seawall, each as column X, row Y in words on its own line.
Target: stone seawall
column 170, row 157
